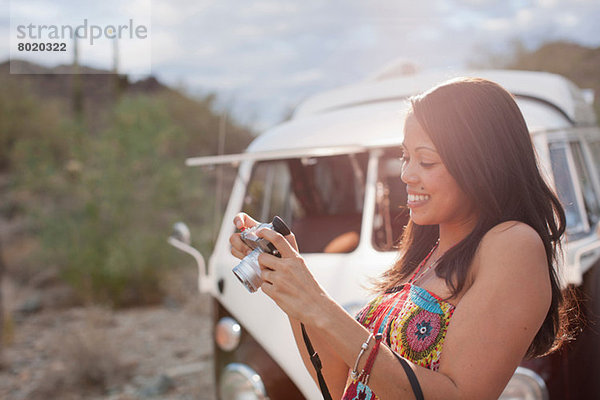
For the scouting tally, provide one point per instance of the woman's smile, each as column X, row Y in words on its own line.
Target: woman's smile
column 417, row 200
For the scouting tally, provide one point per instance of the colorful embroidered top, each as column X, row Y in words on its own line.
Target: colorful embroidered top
column 414, row 324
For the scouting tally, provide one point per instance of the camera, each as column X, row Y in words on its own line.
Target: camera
column 248, row 270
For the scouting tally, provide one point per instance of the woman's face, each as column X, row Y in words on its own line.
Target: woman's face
column 434, row 197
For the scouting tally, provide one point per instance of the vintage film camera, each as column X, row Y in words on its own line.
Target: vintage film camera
column 248, row 270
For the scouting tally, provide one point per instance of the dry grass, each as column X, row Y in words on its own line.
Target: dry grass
column 18, row 256
column 86, row 361
column 7, row 331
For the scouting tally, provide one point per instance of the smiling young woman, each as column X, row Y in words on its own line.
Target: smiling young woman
column 474, row 289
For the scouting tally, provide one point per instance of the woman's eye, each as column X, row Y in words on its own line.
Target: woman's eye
column 427, row 165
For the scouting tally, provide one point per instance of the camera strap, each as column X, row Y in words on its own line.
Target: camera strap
column 412, row 377
column 316, row 362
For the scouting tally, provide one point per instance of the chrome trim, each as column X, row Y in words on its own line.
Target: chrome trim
column 205, row 284
column 252, row 376
column 232, row 328
column 536, row 378
column 235, row 159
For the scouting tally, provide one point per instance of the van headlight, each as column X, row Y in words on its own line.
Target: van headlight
column 228, row 333
column 240, row 382
column 525, row 385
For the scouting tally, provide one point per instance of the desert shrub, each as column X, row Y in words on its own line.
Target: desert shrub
column 102, row 203
column 109, row 237
column 34, row 133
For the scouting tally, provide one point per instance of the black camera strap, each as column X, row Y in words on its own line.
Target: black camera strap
column 316, row 362
column 412, row 377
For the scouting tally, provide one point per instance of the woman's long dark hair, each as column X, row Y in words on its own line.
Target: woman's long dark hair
column 484, row 143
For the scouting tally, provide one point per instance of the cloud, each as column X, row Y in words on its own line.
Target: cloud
column 270, row 54
column 276, row 51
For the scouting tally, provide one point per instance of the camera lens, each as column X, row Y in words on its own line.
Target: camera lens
column 248, row 271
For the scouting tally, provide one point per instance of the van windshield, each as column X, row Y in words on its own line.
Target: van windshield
column 320, row 198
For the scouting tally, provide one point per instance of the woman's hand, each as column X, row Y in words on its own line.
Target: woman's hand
column 287, row 280
column 243, row 221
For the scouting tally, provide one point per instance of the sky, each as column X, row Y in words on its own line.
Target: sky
column 264, row 57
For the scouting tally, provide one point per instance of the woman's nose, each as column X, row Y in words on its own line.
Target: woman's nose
column 408, row 174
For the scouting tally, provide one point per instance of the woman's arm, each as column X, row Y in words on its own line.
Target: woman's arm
column 334, row 369
column 490, row 331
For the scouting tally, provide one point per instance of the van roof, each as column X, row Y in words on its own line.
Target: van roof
column 554, row 90
column 371, row 125
column 371, row 114
column 377, row 124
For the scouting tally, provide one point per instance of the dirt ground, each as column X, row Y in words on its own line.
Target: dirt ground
column 161, row 352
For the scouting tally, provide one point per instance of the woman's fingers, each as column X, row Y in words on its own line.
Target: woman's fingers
column 237, row 254
column 239, row 249
column 265, row 275
column 286, row 285
column 272, row 281
column 267, row 288
column 243, row 220
column 269, row 262
column 281, row 244
column 274, row 270
column 292, row 239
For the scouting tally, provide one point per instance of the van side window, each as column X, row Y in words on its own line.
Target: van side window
column 391, row 214
column 590, row 199
column 574, row 186
column 321, row 198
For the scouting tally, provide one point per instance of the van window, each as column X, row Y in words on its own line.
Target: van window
column 391, row 214
column 320, row 198
column 563, row 178
column 590, row 200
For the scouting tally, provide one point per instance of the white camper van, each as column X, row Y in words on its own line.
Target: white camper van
column 332, row 173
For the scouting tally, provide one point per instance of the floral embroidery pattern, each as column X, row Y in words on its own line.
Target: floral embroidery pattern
column 418, row 332
column 423, row 329
column 421, row 332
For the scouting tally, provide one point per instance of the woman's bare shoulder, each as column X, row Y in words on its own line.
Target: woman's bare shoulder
column 514, row 234
column 515, row 247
